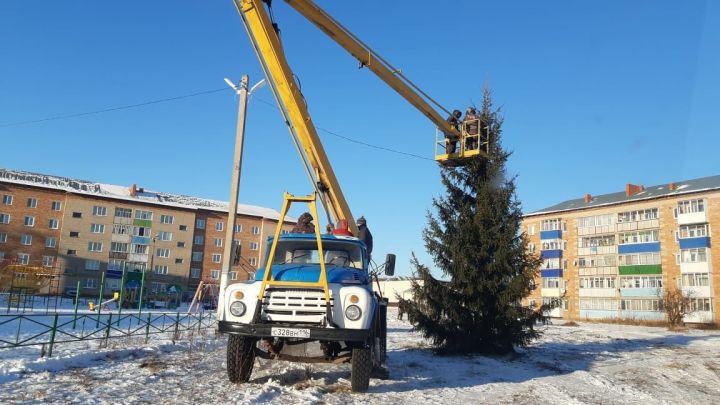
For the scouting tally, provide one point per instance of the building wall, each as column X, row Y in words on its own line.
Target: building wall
column 623, row 298
column 74, row 259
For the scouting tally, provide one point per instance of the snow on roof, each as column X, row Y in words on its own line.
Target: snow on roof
column 681, row 187
column 112, row 191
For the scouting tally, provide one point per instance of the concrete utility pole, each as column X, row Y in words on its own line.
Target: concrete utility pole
column 242, row 91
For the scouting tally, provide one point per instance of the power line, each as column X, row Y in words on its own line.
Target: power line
column 369, row 145
column 123, row 107
column 200, row 93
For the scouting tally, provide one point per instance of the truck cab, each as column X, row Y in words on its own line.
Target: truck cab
column 296, row 321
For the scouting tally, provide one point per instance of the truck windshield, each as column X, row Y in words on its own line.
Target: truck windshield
column 306, row 252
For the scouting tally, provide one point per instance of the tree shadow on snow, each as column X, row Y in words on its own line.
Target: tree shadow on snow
column 419, row 369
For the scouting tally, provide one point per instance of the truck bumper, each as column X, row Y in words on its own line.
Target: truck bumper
column 263, row 330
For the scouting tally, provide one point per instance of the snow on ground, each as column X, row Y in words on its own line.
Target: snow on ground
column 590, row 363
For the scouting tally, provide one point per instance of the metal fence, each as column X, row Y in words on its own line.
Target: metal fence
column 49, row 330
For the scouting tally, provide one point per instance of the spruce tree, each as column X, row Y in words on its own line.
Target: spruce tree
column 475, row 239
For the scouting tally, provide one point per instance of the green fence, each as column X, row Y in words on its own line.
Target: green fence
column 50, row 330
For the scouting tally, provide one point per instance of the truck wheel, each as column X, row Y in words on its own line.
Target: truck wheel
column 240, row 358
column 361, row 368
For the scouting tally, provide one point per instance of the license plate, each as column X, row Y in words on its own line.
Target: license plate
column 290, row 332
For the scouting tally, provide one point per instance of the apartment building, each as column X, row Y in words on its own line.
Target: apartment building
column 613, row 256
column 80, row 230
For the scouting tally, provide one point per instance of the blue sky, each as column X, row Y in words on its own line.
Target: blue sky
column 595, row 95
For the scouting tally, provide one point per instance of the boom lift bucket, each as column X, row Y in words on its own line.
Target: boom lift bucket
column 473, row 140
column 269, row 281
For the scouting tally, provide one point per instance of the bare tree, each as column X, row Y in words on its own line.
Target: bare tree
column 677, row 305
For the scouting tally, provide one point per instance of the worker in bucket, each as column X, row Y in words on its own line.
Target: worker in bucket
column 304, row 224
column 365, row 235
column 450, row 138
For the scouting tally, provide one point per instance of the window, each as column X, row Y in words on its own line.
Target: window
column 53, row 223
column 141, row 231
column 641, row 282
column 238, row 227
column 4, row 218
column 219, row 226
column 195, row 272
column 606, row 304
column 550, row 282
column 637, row 215
column 26, row 240
column 639, row 237
column 200, row 224
column 161, row 269
column 595, row 241
column 159, row 287
column 116, row 264
column 119, row 247
column 253, row 246
column 7, row 199
column 700, row 304
column 697, row 255
column 139, row 249
column 693, row 231
column 119, row 229
column 160, row 252
column 531, row 247
column 595, row 221
column 218, row 242
column 550, row 224
column 216, row 258
column 252, row 261
column 597, row 282
column 179, row 260
column 136, row 266
column 99, row 211
column 214, row 274
column 72, row 252
column 92, row 265
column 639, row 259
column 123, row 212
column 97, row 228
column 3, row 237
column 199, row 240
column 77, row 214
column 145, row 215
column 90, row 283
column 554, row 244
column 597, row 261
column 183, row 227
column 23, row 258
column 167, row 219
column 232, row 275
column 55, row 205
column 74, row 234
column 181, row 244
column 50, row 242
column 641, row 305
column 48, row 261
column 29, row 221
column 531, row 230
column 531, row 303
column 690, row 206
column 256, row 230
column 197, row 256
column 695, row 280
column 166, row 236
column 32, row 202
column 95, row 246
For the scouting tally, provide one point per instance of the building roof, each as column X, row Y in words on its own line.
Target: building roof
column 642, row 193
column 111, row 191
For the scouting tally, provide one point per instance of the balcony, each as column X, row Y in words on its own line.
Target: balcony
column 123, row 238
column 118, row 255
column 140, row 240
column 640, row 269
column 648, row 247
column 143, row 222
column 690, row 243
column 596, row 230
column 597, row 250
column 652, row 292
column 551, row 254
column 544, row 235
column 697, row 267
column 598, row 292
column 634, row 226
column 598, row 271
column 551, row 273
column 697, row 291
column 692, row 218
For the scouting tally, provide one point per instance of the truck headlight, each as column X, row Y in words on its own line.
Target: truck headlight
column 353, row 312
column 237, row 308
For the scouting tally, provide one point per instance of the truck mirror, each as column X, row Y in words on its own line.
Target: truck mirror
column 236, row 253
column 390, row 264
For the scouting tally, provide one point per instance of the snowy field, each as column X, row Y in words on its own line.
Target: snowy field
column 590, row 363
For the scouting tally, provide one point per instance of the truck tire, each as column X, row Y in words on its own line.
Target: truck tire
column 240, row 358
column 361, row 368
